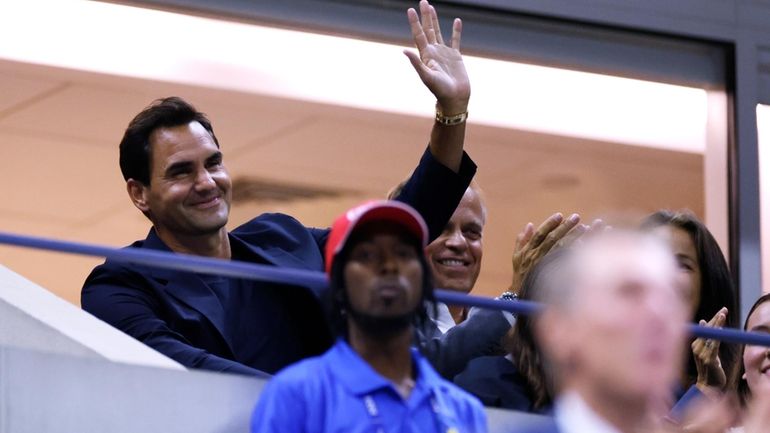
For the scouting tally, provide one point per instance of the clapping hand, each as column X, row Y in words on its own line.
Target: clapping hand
column 706, row 354
column 531, row 245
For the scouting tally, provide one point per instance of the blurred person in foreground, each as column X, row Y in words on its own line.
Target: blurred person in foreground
column 371, row 380
column 176, row 176
column 612, row 329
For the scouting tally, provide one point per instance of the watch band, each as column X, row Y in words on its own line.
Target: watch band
column 450, row 120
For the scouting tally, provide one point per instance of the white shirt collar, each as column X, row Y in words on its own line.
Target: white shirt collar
column 573, row 415
column 443, row 318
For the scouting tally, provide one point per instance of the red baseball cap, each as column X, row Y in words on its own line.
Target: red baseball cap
column 375, row 210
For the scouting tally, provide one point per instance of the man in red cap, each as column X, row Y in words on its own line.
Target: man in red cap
column 371, row 379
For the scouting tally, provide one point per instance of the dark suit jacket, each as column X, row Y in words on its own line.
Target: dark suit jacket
column 479, row 335
column 179, row 315
column 497, row 383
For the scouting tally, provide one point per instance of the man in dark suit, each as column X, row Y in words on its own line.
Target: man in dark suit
column 456, row 336
column 175, row 174
column 613, row 331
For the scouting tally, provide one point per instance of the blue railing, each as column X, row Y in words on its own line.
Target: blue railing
column 313, row 280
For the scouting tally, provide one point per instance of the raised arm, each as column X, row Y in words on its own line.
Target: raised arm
column 441, row 68
column 445, row 170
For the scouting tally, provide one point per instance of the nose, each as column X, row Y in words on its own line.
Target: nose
column 455, row 240
column 204, row 180
column 389, row 264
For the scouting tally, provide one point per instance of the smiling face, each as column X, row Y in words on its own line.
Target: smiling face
column 756, row 359
column 190, row 190
column 455, row 256
column 383, row 274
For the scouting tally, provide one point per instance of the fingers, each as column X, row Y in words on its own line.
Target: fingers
column 457, row 31
column 719, row 318
column 559, row 232
column 426, row 28
column 422, row 70
column 575, row 234
column 524, row 236
column 420, row 40
column 706, row 349
column 717, row 321
column 597, row 225
column 436, row 25
column 546, row 227
column 529, row 231
column 427, row 22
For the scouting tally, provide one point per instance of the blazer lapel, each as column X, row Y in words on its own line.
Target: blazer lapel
column 188, row 289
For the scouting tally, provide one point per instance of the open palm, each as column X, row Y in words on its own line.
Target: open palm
column 440, row 66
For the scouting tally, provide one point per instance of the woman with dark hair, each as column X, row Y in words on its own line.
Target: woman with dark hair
column 712, row 294
column 517, row 381
column 755, row 366
column 750, row 381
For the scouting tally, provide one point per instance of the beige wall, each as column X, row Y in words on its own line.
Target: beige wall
column 60, row 131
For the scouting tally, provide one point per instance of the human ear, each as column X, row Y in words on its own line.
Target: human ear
column 138, row 194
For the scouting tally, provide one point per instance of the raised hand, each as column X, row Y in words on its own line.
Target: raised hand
column 706, row 354
column 531, row 245
column 440, row 66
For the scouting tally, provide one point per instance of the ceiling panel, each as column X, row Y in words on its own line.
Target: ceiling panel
column 92, row 115
column 370, row 155
column 18, row 90
column 57, row 179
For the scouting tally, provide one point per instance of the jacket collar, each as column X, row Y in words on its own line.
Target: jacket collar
column 187, row 288
column 361, row 379
column 190, row 290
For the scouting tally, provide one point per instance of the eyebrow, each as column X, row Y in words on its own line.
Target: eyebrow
column 763, row 327
column 178, row 166
column 685, row 256
column 183, row 165
column 214, row 156
column 473, row 226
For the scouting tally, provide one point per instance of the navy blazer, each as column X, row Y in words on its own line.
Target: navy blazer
column 496, row 381
column 477, row 336
column 179, row 315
